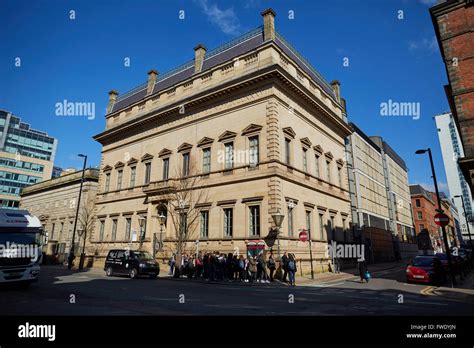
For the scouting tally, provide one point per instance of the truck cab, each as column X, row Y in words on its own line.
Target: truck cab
column 21, row 240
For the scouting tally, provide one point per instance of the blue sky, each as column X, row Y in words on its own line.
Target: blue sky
column 81, row 59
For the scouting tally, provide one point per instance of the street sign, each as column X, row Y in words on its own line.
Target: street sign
column 441, row 219
column 303, row 236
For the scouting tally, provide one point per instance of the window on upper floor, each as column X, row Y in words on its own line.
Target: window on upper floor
column 206, row 160
column 147, row 173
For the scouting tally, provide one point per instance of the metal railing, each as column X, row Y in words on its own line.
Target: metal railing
column 303, row 60
column 234, row 42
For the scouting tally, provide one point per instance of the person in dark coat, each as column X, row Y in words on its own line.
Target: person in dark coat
column 284, row 265
column 271, row 266
column 206, row 266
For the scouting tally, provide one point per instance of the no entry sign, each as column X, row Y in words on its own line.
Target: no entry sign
column 304, row 236
column 441, row 219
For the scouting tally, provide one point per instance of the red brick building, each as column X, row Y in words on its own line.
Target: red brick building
column 424, row 208
column 453, row 22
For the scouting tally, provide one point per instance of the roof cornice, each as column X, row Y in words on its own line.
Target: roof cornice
column 274, row 71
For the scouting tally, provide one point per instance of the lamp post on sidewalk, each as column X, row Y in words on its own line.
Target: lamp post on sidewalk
column 71, row 252
column 440, row 210
column 278, row 220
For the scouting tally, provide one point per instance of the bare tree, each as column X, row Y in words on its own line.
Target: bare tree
column 184, row 193
column 86, row 220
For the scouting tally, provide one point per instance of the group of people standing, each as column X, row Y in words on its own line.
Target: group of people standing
column 217, row 266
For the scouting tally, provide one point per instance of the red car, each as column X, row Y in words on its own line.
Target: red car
column 425, row 269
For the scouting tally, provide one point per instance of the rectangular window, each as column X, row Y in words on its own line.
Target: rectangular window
column 417, row 203
column 101, row 230
column 254, row 216
column 119, row 179
column 321, row 226
column 204, row 224
column 339, row 174
column 305, row 160
column 422, row 227
column 52, row 232
column 328, row 170
column 308, row 221
column 290, row 222
column 419, row 215
column 133, row 173
column 318, row 173
column 253, row 147
column 61, row 231
column 206, row 160
column 142, row 224
column 166, row 168
column 147, row 172
column 128, row 228
column 287, row 151
column 107, row 182
column 331, row 227
column 114, row 229
column 186, row 164
column 228, row 221
column 229, row 155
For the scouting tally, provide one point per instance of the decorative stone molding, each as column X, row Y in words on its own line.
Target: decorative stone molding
column 289, row 132
column 146, row 157
column 165, row 152
column 205, row 141
column 252, row 128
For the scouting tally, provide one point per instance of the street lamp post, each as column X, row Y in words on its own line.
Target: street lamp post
column 161, row 220
column 71, row 252
column 83, row 253
column 278, row 219
column 440, row 210
column 465, row 216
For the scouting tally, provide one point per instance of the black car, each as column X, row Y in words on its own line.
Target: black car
column 133, row 263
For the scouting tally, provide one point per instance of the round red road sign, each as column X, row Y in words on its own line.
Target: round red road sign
column 304, row 236
column 441, row 219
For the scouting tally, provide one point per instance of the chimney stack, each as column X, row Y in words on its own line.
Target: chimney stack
column 199, row 52
column 112, row 98
column 336, row 87
column 152, row 74
column 268, row 24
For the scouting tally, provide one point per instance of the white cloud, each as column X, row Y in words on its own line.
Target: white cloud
column 226, row 19
column 424, row 45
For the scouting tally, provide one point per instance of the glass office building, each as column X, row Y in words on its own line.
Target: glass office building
column 26, row 157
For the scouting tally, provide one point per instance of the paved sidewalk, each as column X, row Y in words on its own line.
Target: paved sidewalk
column 346, row 274
column 464, row 289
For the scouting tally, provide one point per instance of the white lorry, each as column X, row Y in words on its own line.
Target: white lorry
column 21, row 240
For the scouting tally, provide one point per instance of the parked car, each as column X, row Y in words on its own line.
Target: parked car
column 457, row 261
column 425, row 269
column 133, row 263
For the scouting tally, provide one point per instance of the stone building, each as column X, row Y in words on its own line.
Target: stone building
column 251, row 129
column 54, row 202
column 378, row 184
column 424, row 209
column 454, row 27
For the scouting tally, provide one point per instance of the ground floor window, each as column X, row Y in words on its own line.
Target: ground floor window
column 254, row 217
column 228, row 218
column 204, row 224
